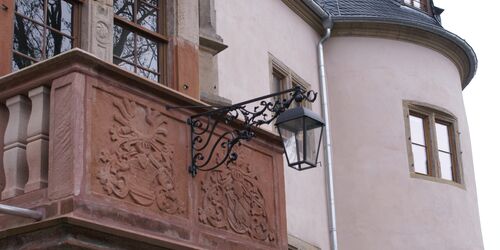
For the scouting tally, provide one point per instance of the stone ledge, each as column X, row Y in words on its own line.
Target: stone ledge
column 66, row 232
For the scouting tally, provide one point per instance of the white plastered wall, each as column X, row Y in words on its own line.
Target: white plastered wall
column 379, row 206
column 253, row 30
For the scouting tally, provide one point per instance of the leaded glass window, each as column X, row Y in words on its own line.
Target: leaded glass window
column 42, row 29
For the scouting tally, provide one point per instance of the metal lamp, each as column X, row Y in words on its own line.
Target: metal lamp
column 300, row 130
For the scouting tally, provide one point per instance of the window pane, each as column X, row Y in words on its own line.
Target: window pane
column 312, row 144
column 445, row 163
column 57, row 43
column 20, row 62
column 28, row 37
column 14, row 65
column 123, row 43
column 417, row 130
column 30, row 8
column 294, row 139
column 151, row 2
column 124, row 64
column 147, row 17
column 443, row 139
column 147, row 74
column 419, row 159
column 124, row 8
column 299, row 139
column 147, row 53
column 59, row 16
column 277, row 85
column 290, row 146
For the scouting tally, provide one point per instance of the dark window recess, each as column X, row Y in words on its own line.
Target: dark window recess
column 42, row 29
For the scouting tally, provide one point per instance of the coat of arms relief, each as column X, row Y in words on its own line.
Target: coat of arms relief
column 233, row 200
column 138, row 163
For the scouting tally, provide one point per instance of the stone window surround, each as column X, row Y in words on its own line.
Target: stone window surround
column 433, row 112
column 295, row 243
column 290, row 77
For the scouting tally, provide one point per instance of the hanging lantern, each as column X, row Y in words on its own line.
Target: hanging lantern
column 300, row 130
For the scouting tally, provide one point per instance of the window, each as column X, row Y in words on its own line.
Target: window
column 295, row 243
column 433, row 143
column 283, row 78
column 418, row 4
column 42, row 29
column 138, row 42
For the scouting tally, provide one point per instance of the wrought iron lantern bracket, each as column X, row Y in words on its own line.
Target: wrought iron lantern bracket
column 205, row 143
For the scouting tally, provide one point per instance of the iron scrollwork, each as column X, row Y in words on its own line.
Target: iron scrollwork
column 205, row 144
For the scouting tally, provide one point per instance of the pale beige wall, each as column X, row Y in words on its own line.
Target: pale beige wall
column 379, row 206
column 252, row 30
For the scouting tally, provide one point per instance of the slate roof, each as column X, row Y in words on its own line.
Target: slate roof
column 395, row 11
column 376, row 9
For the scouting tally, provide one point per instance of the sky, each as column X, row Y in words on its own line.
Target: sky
column 478, row 23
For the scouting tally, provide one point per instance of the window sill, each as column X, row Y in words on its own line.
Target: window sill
column 436, row 179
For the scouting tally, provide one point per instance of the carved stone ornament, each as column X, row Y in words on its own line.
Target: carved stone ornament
column 139, row 161
column 231, row 199
column 102, row 32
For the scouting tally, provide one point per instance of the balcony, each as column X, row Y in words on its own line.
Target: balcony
column 93, row 148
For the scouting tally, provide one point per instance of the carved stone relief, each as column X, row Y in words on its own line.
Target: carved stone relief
column 138, row 163
column 102, row 32
column 97, row 28
column 232, row 200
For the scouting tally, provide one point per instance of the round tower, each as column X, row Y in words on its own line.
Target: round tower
column 403, row 165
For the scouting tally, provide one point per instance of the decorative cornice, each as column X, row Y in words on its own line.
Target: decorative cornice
column 213, row 45
column 301, row 9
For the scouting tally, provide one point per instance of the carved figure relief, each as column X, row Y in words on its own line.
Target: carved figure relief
column 139, row 160
column 231, row 199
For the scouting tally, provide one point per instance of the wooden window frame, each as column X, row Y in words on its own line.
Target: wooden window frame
column 432, row 115
column 7, row 15
column 160, row 37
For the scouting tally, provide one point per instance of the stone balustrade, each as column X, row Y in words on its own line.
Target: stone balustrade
column 25, row 150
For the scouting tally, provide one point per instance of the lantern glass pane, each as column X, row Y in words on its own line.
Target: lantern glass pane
column 293, row 140
column 299, row 139
column 312, row 141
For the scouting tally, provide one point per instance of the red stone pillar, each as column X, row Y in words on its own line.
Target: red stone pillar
column 6, row 33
